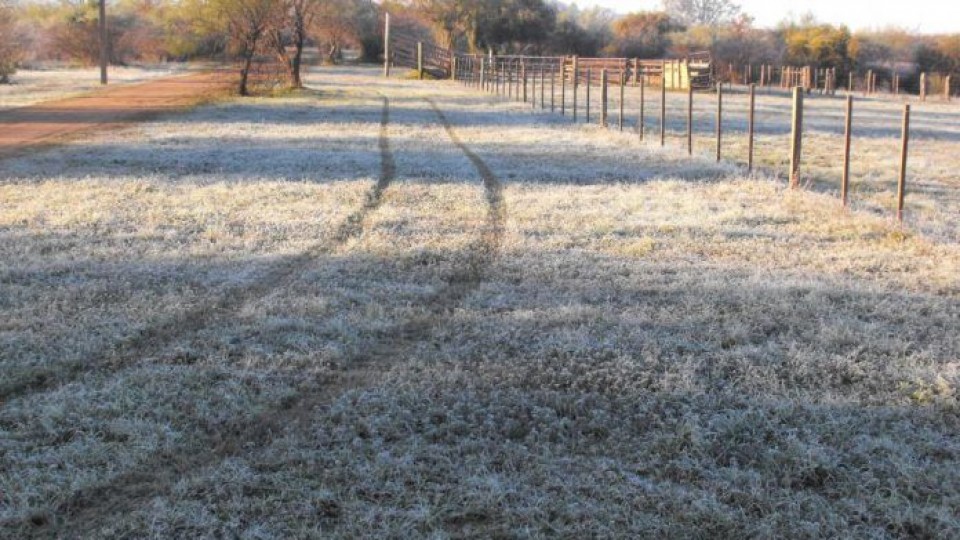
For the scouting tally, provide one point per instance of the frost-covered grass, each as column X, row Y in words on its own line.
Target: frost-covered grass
column 932, row 202
column 29, row 86
column 654, row 346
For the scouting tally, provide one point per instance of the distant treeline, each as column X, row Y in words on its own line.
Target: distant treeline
column 159, row 30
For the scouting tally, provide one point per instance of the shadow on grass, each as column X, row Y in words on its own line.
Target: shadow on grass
column 751, row 368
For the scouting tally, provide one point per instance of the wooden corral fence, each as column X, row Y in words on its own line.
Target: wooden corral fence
column 403, row 50
column 425, row 57
column 890, row 82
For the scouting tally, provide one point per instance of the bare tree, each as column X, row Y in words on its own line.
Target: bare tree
column 296, row 18
column 701, row 12
column 337, row 24
column 446, row 18
column 248, row 23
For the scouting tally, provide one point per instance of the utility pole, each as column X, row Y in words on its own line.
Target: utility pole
column 104, row 44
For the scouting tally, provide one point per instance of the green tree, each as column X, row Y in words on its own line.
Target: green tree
column 808, row 42
column 513, row 24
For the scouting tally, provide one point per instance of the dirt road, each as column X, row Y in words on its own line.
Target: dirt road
column 56, row 121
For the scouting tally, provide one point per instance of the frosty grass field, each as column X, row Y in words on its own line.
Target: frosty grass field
column 329, row 313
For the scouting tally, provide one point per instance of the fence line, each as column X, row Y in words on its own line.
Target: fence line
column 512, row 77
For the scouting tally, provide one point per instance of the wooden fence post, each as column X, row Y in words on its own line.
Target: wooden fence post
column 492, row 77
column 796, row 137
column 533, row 89
column 523, row 75
column 521, row 81
column 751, row 126
column 587, row 108
column 847, row 134
column 946, row 88
column 386, row 45
column 518, row 81
column 498, row 81
column 486, row 81
column 519, row 95
column 543, row 88
column 719, row 120
column 420, row 60
column 640, row 126
column 603, row 98
column 663, row 105
column 902, row 183
column 623, row 83
column 563, row 89
column 576, row 83
column 923, row 87
column 690, row 120
column 553, row 87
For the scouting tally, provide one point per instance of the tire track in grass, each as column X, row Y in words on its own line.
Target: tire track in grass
column 162, row 333
column 84, row 512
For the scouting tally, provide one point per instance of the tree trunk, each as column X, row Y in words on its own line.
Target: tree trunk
column 244, row 73
column 295, row 80
column 474, row 37
column 282, row 56
column 334, row 55
column 299, row 36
